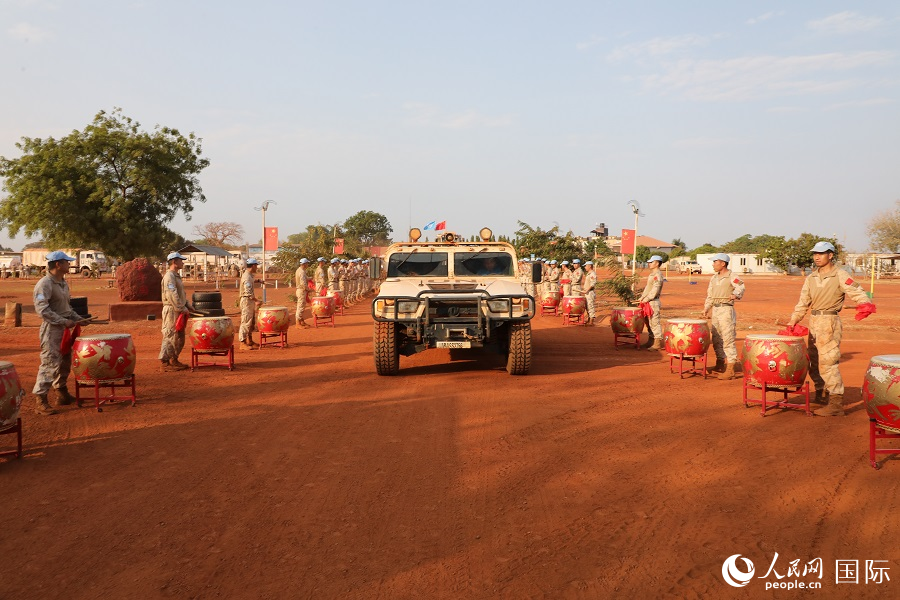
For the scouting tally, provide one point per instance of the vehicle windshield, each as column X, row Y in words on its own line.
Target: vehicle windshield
column 417, row 264
column 498, row 264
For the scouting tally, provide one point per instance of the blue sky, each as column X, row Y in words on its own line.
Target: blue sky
column 719, row 118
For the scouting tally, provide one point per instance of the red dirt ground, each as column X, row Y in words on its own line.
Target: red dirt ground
column 302, row 474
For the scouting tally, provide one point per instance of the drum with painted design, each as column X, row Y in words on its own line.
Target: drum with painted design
column 881, row 390
column 689, row 337
column 338, row 298
column 104, row 357
column 627, row 319
column 272, row 319
column 778, row 361
column 573, row 305
column 322, row 306
column 11, row 394
column 211, row 333
column 550, row 299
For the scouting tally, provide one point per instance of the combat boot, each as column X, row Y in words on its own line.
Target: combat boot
column 246, row 346
column 41, row 406
column 821, row 398
column 657, row 345
column 176, row 365
column 719, row 368
column 63, row 397
column 834, row 408
column 303, row 323
column 728, row 373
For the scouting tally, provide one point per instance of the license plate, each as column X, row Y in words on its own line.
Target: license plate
column 453, row 344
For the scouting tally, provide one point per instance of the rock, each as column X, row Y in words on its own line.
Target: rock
column 139, row 280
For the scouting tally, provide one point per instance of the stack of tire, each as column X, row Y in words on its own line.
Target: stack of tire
column 208, row 303
column 80, row 305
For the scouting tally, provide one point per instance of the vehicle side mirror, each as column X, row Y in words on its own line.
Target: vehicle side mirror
column 537, row 272
column 375, row 267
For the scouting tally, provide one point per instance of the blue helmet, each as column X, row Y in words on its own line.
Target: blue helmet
column 252, row 261
column 655, row 257
column 823, row 247
column 59, row 255
column 722, row 256
column 303, row 261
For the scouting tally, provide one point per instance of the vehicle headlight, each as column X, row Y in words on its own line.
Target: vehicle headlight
column 389, row 302
column 498, row 305
column 407, row 307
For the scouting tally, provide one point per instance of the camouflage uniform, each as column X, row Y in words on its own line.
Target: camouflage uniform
column 248, row 308
column 332, row 277
column 567, row 275
column 319, row 277
column 651, row 294
column 823, row 296
column 51, row 303
column 553, row 279
column 301, row 282
column 577, row 278
column 588, row 283
column 343, row 277
column 720, row 307
column 174, row 303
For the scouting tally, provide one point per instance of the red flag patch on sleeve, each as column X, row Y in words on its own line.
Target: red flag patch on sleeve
column 849, row 281
column 737, row 281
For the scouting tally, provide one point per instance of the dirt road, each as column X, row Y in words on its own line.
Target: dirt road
column 302, row 474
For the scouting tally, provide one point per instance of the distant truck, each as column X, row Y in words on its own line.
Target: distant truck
column 10, row 263
column 85, row 261
column 687, row 266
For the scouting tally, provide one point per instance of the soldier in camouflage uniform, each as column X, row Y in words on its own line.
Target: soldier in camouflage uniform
column 577, row 277
column 320, row 277
column 724, row 288
column 249, row 304
column 587, row 284
column 332, row 275
column 175, row 304
column 301, row 285
column 650, row 295
column 51, row 303
column 823, row 295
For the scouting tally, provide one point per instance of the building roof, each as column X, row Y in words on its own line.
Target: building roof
column 201, row 249
column 642, row 240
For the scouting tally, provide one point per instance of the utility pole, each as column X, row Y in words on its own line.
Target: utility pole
column 264, row 208
column 636, row 209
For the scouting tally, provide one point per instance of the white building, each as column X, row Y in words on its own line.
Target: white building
column 741, row 263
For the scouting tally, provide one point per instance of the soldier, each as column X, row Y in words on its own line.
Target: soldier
column 651, row 294
column 565, row 278
column 724, row 288
column 51, row 303
column 332, row 275
column 175, row 304
column 249, row 304
column 588, row 283
column 301, row 283
column 553, row 277
column 823, row 295
column 342, row 269
column 577, row 277
column 319, row 277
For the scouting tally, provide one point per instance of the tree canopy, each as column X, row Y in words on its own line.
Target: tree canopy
column 369, row 228
column 112, row 186
column 884, row 231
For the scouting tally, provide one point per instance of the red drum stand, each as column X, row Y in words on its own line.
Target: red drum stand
column 880, row 431
column 632, row 339
column 281, row 335
column 801, row 390
column 125, row 382
column 196, row 354
column 692, row 370
column 15, row 428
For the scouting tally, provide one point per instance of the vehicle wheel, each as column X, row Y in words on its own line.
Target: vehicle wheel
column 518, row 361
column 207, row 297
column 85, row 273
column 207, row 305
column 213, row 312
column 78, row 301
column 387, row 355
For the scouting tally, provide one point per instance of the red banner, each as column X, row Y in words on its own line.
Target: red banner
column 271, row 241
column 338, row 246
column 627, row 241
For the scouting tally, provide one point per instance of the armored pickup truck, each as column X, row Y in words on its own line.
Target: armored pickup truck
column 452, row 294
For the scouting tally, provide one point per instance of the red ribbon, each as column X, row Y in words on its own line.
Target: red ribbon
column 646, row 309
column 794, row 330
column 181, row 322
column 68, row 338
column 864, row 310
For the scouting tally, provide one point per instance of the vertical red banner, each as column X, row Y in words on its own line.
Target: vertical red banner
column 627, row 241
column 271, row 241
column 338, row 246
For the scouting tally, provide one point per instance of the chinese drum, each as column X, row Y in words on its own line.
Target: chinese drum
column 103, row 357
column 550, row 299
column 272, row 319
column 211, row 333
column 627, row 319
column 689, row 337
column 338, row 298
column 11, row 394
column 323, row 306
column 778, row 361
column 574, row 305
column 881, row 390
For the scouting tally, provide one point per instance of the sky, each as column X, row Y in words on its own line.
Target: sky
column 719, row 118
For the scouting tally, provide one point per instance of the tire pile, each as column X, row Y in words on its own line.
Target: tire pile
column 80, row 305
column 208, row 303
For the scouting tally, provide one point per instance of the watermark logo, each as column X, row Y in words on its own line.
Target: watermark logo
column 733, row 575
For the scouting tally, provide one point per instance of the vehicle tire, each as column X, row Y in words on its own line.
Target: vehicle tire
column 387, row 350
column 207, row 305
column 518, row 361
column 207, row 297
column 78, row 301
column 213, row 312
column 85, row 273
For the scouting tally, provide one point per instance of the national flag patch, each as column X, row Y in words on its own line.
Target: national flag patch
column 849, row 281
column 737, row 281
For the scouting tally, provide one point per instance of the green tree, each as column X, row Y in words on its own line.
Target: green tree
column 785, row 254
column 704, row 249
column 369, row 228
column 747, row 244
column 112, row 186
column 884, row 230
